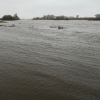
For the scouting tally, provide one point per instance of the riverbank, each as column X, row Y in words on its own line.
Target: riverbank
column 1, row 21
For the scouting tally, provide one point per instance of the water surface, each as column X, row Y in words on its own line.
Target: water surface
column 42, row 63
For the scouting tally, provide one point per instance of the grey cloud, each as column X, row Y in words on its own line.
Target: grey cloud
column 33, row 8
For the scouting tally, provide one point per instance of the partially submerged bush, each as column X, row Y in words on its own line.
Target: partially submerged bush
column 53, row 26
column 60, row 27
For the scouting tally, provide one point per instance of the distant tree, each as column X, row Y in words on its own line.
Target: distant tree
column 7, row 17
column 37, row 18
column 97, row 15
column 44, row 17
column 61, row 18
column 15, row 17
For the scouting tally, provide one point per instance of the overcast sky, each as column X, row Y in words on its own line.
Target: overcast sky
column 34, row 8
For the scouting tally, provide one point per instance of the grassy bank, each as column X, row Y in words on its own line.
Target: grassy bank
column 1, row 21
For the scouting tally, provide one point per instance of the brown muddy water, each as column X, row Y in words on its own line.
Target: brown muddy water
column 42, row 63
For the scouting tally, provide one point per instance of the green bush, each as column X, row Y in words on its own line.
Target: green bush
column 7, row 17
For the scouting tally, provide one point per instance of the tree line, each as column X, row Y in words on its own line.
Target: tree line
column 52, row 17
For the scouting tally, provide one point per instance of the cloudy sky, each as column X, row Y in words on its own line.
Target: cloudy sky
column 34, row 8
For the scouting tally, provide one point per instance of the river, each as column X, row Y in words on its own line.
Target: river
column 40, row 62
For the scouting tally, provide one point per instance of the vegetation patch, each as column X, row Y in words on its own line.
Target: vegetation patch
column 59, row 27
column 1, row 21
column 9, row 17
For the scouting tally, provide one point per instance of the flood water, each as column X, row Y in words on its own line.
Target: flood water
column 42, row 63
